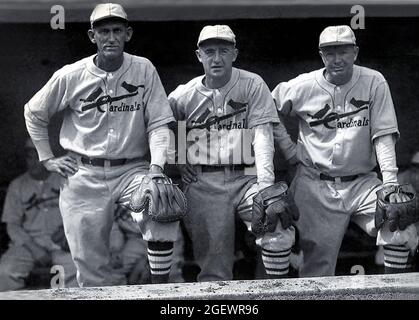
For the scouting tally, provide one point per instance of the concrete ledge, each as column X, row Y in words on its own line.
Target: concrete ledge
column 367, row 287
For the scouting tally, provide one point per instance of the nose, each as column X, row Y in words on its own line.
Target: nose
column 217, row 56
column 111, row 36
column 338, row 58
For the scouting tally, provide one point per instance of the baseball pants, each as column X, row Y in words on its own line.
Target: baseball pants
column 326, row 208
column 88, row 201
column 213, row 200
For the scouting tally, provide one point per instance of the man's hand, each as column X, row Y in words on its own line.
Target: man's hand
column 188, row 173
column 65, row 165
column 40, row 255
column 396, row 204
column 398, row 198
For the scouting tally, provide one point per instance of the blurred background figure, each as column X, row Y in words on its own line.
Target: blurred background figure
column 34, row 223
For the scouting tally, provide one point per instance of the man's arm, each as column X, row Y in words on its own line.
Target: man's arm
column 282, row 96
column 38, row 111
column 160, row 141
column 386, row 157
column 263, row 145
column 283, row 142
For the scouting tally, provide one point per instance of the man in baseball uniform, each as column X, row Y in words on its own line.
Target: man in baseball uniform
column 229, row 115
column 115, row 120
column 33, row 222
column 347, row 123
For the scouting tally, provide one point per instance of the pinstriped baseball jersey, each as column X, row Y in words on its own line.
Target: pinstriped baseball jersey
column 221, row 119
column 338, row 123
column 107, row 115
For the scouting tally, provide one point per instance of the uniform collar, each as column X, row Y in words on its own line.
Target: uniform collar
column 235, row 74
column 330, row 86
column 99, row 72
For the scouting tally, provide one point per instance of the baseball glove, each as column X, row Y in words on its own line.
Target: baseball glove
column 399, row 214
column 269, row 205
column 159, row 198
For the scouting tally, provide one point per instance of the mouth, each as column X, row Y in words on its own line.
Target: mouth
column 338, row 69
column 216, row 68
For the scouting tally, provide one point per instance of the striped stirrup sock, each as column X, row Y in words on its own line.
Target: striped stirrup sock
column 276, row 263
column 160, row 260
column 395, row 258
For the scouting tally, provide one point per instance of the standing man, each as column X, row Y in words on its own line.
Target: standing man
column 347, row 123
column 33, row 221
column 229, row 113
column 115, row 118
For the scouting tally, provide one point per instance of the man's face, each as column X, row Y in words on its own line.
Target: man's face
column 217, row 57
column 339, row 61
column 110, row 37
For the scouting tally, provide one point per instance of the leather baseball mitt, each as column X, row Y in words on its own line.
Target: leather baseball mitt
column 269, row 205
column 399, row 214
column 159, row 198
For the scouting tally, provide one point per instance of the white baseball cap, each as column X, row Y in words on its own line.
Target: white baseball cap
column 222, row 32
column 107, row 10
column 337, row 35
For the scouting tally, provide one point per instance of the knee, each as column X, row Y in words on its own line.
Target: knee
column 407, row 238
column 281, row 239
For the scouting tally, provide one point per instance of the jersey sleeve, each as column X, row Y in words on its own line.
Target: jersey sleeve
column 283, row 98
column 261, row 106
column 383, row 116
column 40, row 108
column 176, row 105
column 157, row 108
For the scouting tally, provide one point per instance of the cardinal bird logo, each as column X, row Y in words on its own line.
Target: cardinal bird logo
column 320, row 114
column 96, row 102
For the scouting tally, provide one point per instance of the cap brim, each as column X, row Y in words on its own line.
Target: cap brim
column 108, row 18
column 218, row 38
column 335, row 43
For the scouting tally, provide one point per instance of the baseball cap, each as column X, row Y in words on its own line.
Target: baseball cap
column 107, row 10
column 222, row 32
column 336, row 35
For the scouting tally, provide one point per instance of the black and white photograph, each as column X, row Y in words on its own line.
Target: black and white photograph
column 222, row 152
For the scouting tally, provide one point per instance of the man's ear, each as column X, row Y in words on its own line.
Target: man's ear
column 322, row 56
column 129, row 33
column 91, row 35
column 356, row 50
column 198, row 55
column 236, row 53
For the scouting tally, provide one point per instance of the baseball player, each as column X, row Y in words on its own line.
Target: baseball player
column 115, row 120
column 347, row 123
column 229, row 113
column 33, row 220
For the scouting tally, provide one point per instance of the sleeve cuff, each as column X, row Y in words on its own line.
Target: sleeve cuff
column 44, row 149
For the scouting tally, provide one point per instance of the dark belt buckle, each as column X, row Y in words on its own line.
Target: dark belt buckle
column 93, row 161
column 237, row 167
